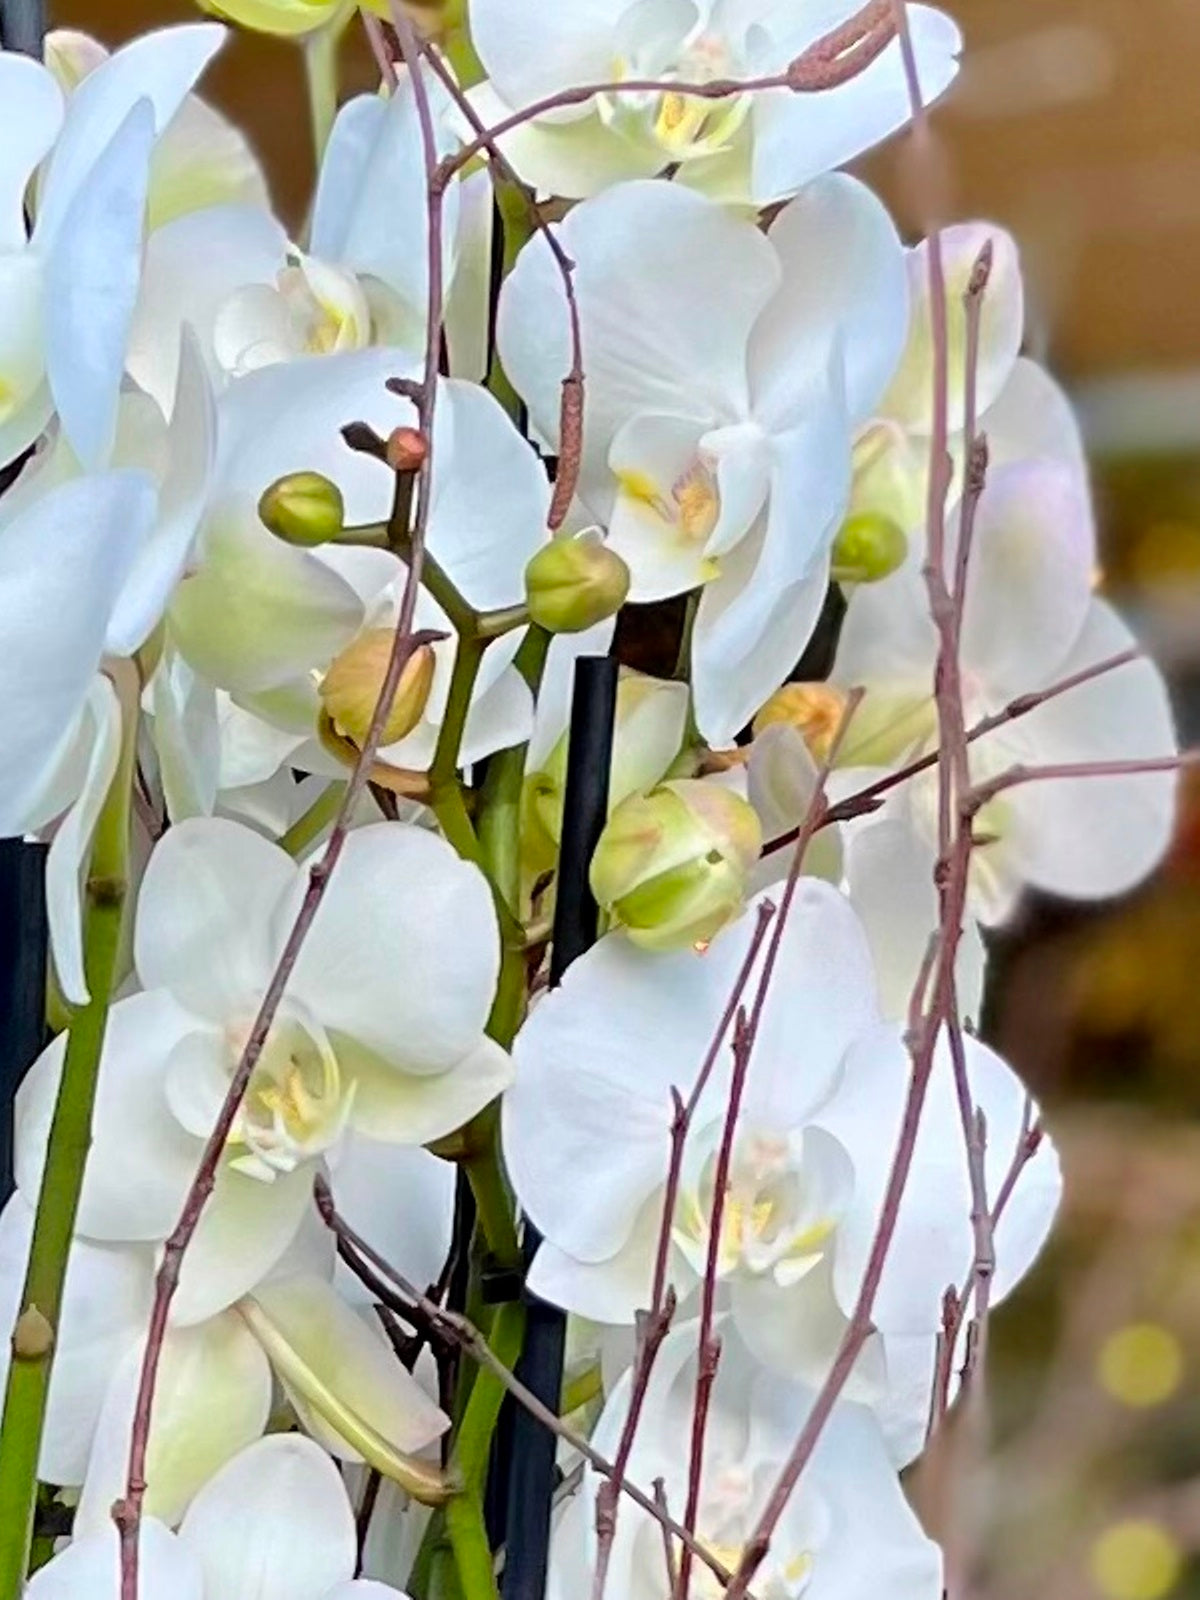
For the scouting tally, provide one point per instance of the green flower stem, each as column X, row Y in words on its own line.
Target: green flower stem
column 464, row 619
column 307, row 829
column 321, row 78
column 444, row 767
column 464, row 1514
column 66, row 1152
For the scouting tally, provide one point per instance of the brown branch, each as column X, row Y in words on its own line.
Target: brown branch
column 127, row 1512
column 982, row 793
column 863, row 801
column 653, row 1325
column 570, row 427
column 954, row 841
column 458, row 1330
column 821, row 66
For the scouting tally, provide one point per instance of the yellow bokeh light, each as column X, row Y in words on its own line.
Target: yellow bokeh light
column 1141, row 1364
column 1136, row 1560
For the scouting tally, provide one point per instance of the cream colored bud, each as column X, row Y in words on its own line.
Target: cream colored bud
column 350, row 689
column 869, row 546
column 672, row 865
column 815, row 710
column 304, row 508
column 573, row 583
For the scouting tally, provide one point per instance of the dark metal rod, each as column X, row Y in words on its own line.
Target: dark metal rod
column 23, row 26
column 23, row 940
column 531, row 1448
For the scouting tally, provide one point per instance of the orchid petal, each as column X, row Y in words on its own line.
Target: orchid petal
column 141, row 1161
column 33, row 114
column 203, row 924
column 843, row 266
column 93, row 264
column 1001, row 326
column 401, row 901
column 90, row 1568
column 106, row 1302
column 72, row 842
column 274, row 1524
column 212, row 1398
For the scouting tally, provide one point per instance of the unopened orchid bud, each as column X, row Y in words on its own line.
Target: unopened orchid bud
column 291, row 18
column 815, row 710
column 406, row 449
column 304, row 508
column 672, row 865
column 869, row 546
column 573, row 583
column 350, row 689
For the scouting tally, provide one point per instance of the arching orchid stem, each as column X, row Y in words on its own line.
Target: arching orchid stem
column 461, row 1332
column 35, row 1331
column 127, row 1513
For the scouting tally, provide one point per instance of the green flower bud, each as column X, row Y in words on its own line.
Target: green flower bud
column 349, row 691
column 573, row 583
column 869, row 546
column 672, row 865
column 303, row 508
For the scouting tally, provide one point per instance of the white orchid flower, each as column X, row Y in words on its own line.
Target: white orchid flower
column 1030, row 620
column 812, row 1153
column 753, row 148
column 274, row 1524
column 256, row 299
column 68, row 290
column 265, row 620
column 634, row 1024
column 847, row 1532
column 213, row 1393
column 201, row 158
column 725, row 371
column 346, row 1050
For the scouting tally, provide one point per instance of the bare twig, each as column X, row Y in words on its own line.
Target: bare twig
column 458, row 1330
column 745, row 1037
column 653, row 1325
column 833, row 59
column 984, row 792
column 954, row 851
column 869, row 798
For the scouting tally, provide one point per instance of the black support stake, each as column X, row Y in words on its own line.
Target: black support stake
column 23, row 939
column 531, row 1478
column 22, row 866
column 23, row 26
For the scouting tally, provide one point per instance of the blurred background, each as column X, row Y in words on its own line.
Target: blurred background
column 1076, row 124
